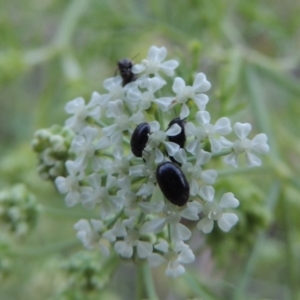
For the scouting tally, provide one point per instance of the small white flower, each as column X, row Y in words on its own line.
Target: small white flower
column 158, row 136
column 97, row 193
column 244, row 145
column 122, row 121
column 172, row 216
column 70, row 185
column 214, row 133
column 194, row 171
column 182, row 255
column 80, row 111
column 215, row 211
column 194, row 92
column 132, row 239
column 154, row 63
column 87, row 234
column 83, row 145
column 144, row 99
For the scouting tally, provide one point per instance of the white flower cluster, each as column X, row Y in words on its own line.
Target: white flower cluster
column 134, row 216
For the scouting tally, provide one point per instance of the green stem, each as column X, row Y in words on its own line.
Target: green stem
column 114, row 220
column 221, row 153
column 253, row 257
column 239, row 171
column 63, row 36
column 291, row 256
column 146, row 284
column 69, row 22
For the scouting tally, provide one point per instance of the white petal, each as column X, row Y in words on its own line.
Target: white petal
column 209, row 176
column 203, row 117
column 225, row 143
column 216, row 146
column 191, row 211
column 162, row 246
column 138, row 68
column 194, row 187
column 206, row 225
column 82, row 224
column 164, row 102
column 171, row 148
column 231, row 159
column 222, row 126
column 242, row 129
column 61, row 185
column 144, row 249
column 110, row 83
column 95, row 100
column 72, row 106
column 252, row 160
column 134, row 95
column 119, row 230
column 186, row 256
column 72, row 167
column 179, row 232
column 154, row 84
column 193, row 147
column 228, row 201
column 151, row 207
column 185, row 112
column 227, row 221
column 203, row 157
column 180, row 156
column 157, row 54
column 154, row 126
column 259, row 143
column 189, row 129
column 155, row 260
column 200, row 84
column 201, row 100
column 154, row 226
column 123, row 249
column 168, row 67
column 159, row 156
column 178, row 85
column 175, row 129
column 109, row 130
column 97, row 224
column 175, row 271
column 72, row 198
column 208, row 193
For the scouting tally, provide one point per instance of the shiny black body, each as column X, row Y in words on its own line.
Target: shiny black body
column 125, row 68
column 173, row 183
column 139, row 139
column 180, row 138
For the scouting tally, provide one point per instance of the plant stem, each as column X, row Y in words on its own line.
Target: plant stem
column 145, row 284
column 273, row 198
column 292, row 265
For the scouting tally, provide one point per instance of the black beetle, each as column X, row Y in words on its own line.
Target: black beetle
column 180, row 138
column 173, row 183
column 125, row 68
column 139, row 139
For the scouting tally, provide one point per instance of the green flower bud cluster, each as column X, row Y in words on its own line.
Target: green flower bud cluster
column 52, row 146
column 86, row 276
column 18, row 210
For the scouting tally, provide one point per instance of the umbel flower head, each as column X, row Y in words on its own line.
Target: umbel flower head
column 140, row 161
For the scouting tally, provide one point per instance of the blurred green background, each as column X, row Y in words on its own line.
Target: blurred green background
column 54, row 51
